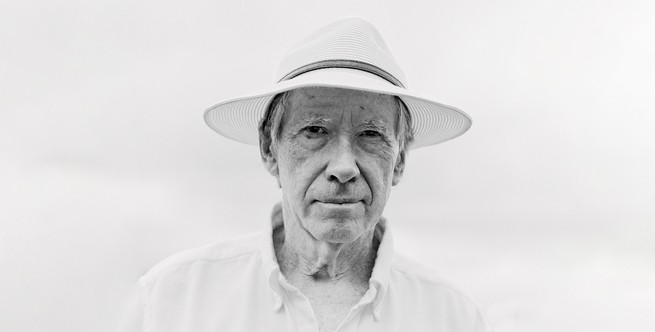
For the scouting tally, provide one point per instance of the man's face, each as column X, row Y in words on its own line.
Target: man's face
column 336, row 158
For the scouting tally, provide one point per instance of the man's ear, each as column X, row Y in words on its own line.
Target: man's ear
column 268, row 157
column 399, row 169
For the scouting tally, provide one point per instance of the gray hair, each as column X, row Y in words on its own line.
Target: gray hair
column 270, row 126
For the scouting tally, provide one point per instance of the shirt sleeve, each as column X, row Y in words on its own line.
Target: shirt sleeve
column 131, row 318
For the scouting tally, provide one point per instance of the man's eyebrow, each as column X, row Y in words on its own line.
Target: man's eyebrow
column 312, row 119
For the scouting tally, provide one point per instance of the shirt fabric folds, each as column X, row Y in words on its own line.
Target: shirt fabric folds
column 237, row 286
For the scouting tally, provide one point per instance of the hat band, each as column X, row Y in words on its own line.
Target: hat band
column 348, row 64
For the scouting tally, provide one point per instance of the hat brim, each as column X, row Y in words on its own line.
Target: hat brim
column 433, row 122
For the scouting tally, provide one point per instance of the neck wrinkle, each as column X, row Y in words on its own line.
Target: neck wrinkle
column 381, row 269
column 320, row 261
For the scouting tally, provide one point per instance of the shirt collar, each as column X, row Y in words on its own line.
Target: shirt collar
column 378, row 283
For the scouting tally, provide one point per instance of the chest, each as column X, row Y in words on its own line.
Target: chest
column 331, row 305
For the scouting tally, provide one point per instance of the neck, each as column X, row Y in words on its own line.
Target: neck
column 304, row 258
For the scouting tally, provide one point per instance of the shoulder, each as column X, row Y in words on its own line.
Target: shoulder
column 218, row 254
column 435, row 293
column 422, row 274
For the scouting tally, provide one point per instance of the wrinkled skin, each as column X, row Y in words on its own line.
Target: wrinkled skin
column 336, row 161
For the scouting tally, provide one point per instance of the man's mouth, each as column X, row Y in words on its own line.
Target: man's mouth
column 340, row 201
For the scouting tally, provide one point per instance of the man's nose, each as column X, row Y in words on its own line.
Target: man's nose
column 342, row 165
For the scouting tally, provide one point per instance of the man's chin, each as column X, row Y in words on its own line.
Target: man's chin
column 335, row 230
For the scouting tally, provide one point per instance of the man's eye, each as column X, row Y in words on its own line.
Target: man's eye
column 315, row 130
column 371, row 133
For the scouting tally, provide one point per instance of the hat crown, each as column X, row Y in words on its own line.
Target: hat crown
column 352, row 42
column 347, row 54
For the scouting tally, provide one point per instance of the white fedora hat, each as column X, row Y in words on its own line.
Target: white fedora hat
column 349, row 54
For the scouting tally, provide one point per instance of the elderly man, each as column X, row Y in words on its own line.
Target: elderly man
column 335, row 131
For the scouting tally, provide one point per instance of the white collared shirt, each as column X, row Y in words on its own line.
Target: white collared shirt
column 237, row 286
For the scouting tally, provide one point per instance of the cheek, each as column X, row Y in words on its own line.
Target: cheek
column 296, row 156
column 383, row 152
column 378, row 171
column 295, row 165
column 382, row 159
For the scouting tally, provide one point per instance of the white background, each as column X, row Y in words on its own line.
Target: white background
column 543, row 211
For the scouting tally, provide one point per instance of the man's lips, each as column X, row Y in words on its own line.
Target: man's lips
column 339, row 201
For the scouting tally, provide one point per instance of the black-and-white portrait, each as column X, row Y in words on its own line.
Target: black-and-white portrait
column 260, row 166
